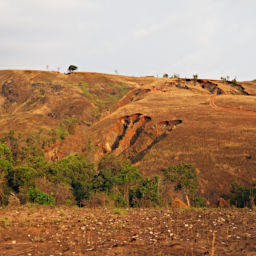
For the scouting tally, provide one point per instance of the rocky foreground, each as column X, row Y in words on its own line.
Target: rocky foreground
column 41, row 230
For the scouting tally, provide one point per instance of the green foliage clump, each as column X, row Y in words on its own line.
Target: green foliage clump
column 234, row 82
column 125, row 184
column 6, row 160
column 71, row 68
column 69, row 121
column 37, row 196
column 195, row 78
column 242, row 196
column 184, row 177
column 198, row 202
column 62, row 133
column 225, row 79
column 145, row 193
column 119, row 200
column 76, row 171
column 175, row 76
column 6, row 165
column 21, row 176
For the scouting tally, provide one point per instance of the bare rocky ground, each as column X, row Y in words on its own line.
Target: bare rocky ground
column 41, row 230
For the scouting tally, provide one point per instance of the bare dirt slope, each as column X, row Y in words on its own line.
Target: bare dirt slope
column 38, row 230
column 155, row 122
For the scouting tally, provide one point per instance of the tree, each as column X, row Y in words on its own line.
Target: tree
column 6, row 166
column 21, row 176
column 234, row 82
column 75, row 171
column 185, row 177
column 71, row 68
column 126, row 178
column 225, row 79
column 195, row 78
column 145, row 193
column 242, row 196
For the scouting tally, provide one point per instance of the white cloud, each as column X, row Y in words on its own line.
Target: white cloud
column 208, row 37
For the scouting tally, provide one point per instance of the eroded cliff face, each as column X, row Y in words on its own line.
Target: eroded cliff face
column 133, row 135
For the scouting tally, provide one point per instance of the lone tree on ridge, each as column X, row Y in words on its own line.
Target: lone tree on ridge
column 71, row 68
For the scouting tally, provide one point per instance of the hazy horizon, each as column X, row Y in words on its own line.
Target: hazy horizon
column 211, row 38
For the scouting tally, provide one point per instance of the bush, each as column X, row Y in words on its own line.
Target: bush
column 119, row 200
column 62, row 192
column 62, row 133
column 225, row 79
column 184, row 177
column 37, row 196
column 145, row 194
column 234, row 82
column 242, row 196
column 75, row 171
column 6, row 160
column 195, row 78
column 104, row 181
column 198, row 202
column 21, row 176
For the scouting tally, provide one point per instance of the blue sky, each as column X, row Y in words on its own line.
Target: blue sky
column 212, row 38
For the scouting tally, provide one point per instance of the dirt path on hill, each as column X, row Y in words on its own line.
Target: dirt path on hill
column 230, row 109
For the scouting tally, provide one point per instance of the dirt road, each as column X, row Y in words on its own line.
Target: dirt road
column 230, row 109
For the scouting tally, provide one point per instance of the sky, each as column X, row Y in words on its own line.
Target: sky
column 211, row 38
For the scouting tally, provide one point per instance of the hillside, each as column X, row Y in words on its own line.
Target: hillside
column 154, row 122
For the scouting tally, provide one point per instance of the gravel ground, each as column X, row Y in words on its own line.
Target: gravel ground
column 44, row 230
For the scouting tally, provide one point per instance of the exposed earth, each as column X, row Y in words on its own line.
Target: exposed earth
column 38, row 230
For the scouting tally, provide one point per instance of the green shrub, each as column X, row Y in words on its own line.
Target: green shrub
column 37, row 196
column 184, row 177
column 234, row 82
column 242, row 196
column 120, row 201
column 198, row 202
column 76, row 171
column 225, row 79
column 104, row 181
column 21, row 176
column 145, row 194
column 6, row 160
column 62, row 133
column 195, row 78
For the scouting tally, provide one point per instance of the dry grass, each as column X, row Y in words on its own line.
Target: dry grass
column 220, row 144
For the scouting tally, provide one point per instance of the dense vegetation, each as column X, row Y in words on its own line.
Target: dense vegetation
column 25, row 176
column 28, row 176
